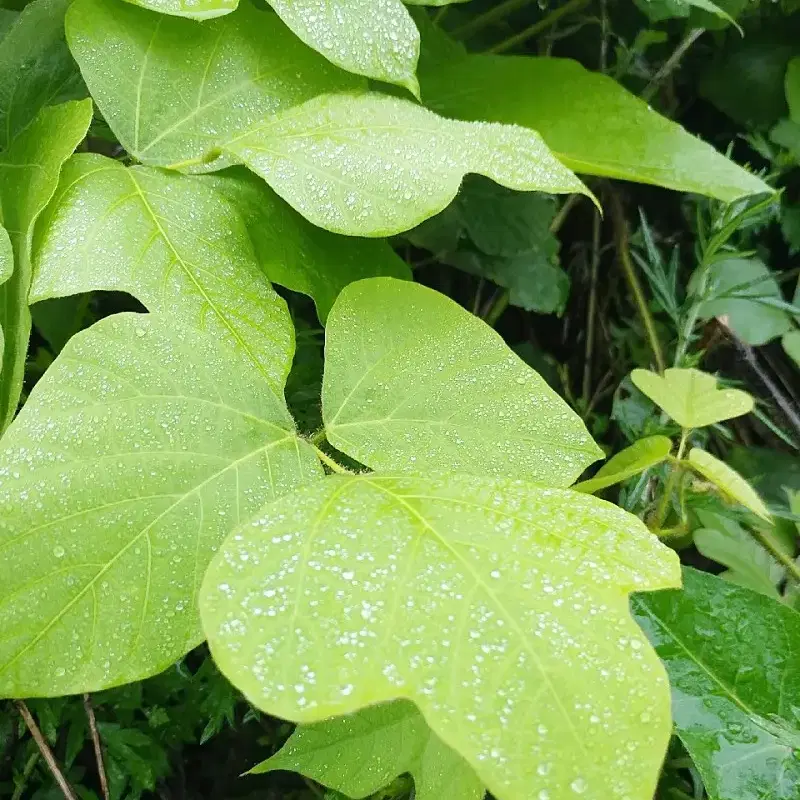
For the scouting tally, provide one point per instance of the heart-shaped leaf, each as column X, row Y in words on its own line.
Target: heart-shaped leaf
column 373, row 165
column 500, row 608
column 361, row 753
column 691, row 397
column 414, row 382
column 641, row 455
column 139, row 450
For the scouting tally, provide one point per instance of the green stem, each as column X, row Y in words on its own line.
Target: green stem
column 482, row 21
column 591, row 311
column 332, row 465
column 538, row 27
column 318, row 437
column 677, row 471
column 782, row 558
column 498, row 308
column 671, row 63
column 26, row 774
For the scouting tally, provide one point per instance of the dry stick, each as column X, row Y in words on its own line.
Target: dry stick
column 671, row 63
column 591, row 312
column 45, row 750
column 98, row 752
column 539, row 27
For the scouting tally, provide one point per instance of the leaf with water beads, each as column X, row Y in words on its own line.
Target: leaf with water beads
column 193, row 9
column 374, row 165
column 138, row 451
column 415, row 382
column 499, row 607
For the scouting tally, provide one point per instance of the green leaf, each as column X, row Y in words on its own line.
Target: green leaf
column 732, row 659
column 133, row 60
column 29, row 172
column 793, row 89
column 172, row 242
column 791, row 344
column 194, row 9
column 729, row 481
column 414, row 382
column 498, row 607
column 640, row 456
column 374, row 165
column 691, row 397
column 296, row 254
column 362, row 752
column 588, row 120
column 137, row 452
column 6, row 256
column 36, row 69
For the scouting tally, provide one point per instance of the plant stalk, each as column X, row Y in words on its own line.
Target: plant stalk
column 477, row 24
column 539, row 27
column 98, row 750
column 661, row 511
column 782, row 558
column 591, row 311
column 671, row 63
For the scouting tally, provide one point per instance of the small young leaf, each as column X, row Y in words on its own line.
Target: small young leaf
column 413, row 382
column 641, row 455
column 138, row 451
column 732, row 659
column 361, row 753
column 194, row 9
column 374, row 165
column 729, row 481
column 499, row 607
column 691, row 397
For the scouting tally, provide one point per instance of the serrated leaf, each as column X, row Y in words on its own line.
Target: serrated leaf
column 133, row 60
column 591, row 123
column 29, row 172
column 791, row 344
column 691, row 397
column 641, row 455
column 296, row 254
column 413, row 382
column 375, row 165
column 729, row 481
column 138, row 451
column 361, row 753
column 194, row 9
column 498, row 607
column 174, row 243
column 731, row 656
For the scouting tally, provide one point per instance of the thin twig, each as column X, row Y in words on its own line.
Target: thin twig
column 671, row 63
column 482, row 21
column 45, row 750
column 538, row 27
column 782, row 558
column 98, row 750
column 591, row 311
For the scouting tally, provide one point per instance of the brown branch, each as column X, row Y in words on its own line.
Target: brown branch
column 98, row 751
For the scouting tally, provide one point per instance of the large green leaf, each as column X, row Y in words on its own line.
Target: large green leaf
column 36, row 69
column 588, row 120
column 414, row 382
column 361, row 753
column 498, row 607
column 296, row 254
column 732, row 659
column 29, row 172
column 171, row 241
column 374, row 165
column 167, row 88
column 194, row 9
column 139, row 450
column 6, row 269
column 691, row 397
column 641, row 455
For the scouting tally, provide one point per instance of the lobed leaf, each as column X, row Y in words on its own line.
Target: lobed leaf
column 498, row 607
column 142, row 446
column 640, row 456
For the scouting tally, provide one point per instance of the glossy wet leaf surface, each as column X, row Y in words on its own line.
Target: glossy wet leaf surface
column 641, row 455
column 362, row 752
column 415, row 382
column 374, row 165
column 497, row 606
column 194, row 9
column 732, row 659
column 141, row 448
column 171, row 241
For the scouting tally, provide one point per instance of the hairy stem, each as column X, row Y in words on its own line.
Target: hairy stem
column 332, row 465
column 677, row 471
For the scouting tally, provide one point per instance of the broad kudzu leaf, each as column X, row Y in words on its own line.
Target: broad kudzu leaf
column 194, row 9
column 29, row 172
column 589, row 121
column 498, row 607
column 732, row 659
column 691, row 397
column 641, row 455
column 374, row 165
column 361, row 753
column 413, row 382
column 135, row 61
column 728, row 480
column 142, row 446
column 296, row 254
column 173, row 242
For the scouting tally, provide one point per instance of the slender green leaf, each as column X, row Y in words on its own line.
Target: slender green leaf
column 171, row 241
column 296, row 254
column 414, row 382
column 791, row 344
column 29, row 172
column 363, row 752
column 166, row 87
column 732, row 659
column 728, row 480
column 691, row 397
column 139, row 450
column 641, row 455
column 498, row 607
column 194, row 9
